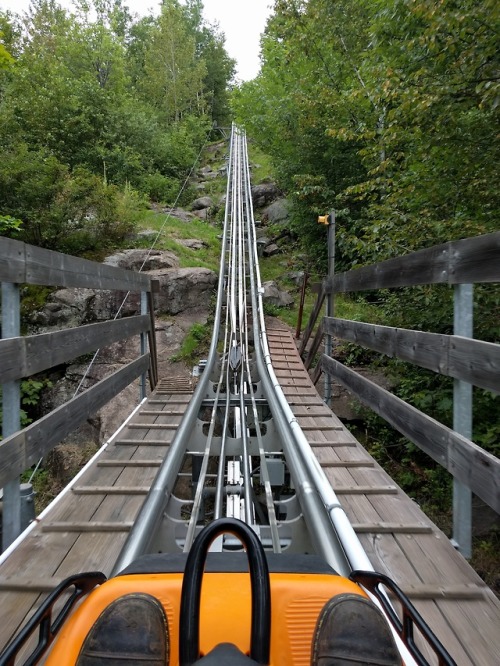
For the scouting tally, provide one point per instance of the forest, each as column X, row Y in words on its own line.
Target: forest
column 387, row 111
column 101, row 112
column 384, row 110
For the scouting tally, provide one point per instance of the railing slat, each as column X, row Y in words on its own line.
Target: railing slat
column 470, row 360
column 465, row 261
column 24, row 448
column 23, row 357
column 20, row 263
column 476, row 468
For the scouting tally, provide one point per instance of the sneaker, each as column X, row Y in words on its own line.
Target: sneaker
column 352, row 630
column 132, row 629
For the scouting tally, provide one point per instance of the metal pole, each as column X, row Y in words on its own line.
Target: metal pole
column 329, row 299
column 11, row 404
column 462, row 422
column 144, row 310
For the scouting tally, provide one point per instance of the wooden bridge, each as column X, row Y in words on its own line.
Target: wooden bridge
column 86, row 526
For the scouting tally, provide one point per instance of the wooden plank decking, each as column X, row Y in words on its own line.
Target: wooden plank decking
column 87, row 527
column 397, row 536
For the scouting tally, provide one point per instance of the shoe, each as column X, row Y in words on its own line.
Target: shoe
column 352, row 630
column 132, row 629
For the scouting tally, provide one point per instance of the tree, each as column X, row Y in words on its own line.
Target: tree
column 173, row 75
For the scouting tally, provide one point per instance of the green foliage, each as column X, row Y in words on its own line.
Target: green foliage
column 31, row 393
column 9, row 226
column 72, row 212
column 95, row 104
column 384, row 111
column 195, row 344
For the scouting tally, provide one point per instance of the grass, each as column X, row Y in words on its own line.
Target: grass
column 261, row 167
column 276, row 268
column 195, row 345
column 172, row 230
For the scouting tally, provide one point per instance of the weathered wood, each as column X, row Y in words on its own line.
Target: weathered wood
column 12, row 261
column 29, row 584
column 352, row 444
column 23, row 357
column 153, row 426
column 445, row 592
column 313, row 350
column 110, row 490
column 391, row 528
column 322, row 428
column 366, row 490
column 465, row 261
column 470, row 360
column 468, row 463
column 347, row 463
column 312, row 321
column 22, row 449
column 91, row 526
column 142, row 442
column 21, row 263
column 129, row 463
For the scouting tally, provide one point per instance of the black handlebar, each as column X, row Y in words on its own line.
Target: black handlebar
column 189, row 632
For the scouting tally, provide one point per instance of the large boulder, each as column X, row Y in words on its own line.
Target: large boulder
column 207, row 173
column 277, row 212
column 275, row 296
column 264, row 194
column 185, row 289
column 192, row 243
column 65, row 308
column 202, row 203
column 179, row 214
column 143, row 260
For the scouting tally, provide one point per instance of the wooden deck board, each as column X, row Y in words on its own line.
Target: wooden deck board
column 398, row 538
column 469, row 623
column 49, row 555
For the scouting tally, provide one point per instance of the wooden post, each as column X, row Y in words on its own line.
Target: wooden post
column 301, row 305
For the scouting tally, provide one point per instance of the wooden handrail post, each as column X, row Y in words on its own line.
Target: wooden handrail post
column 312, row 320
column 301, row 305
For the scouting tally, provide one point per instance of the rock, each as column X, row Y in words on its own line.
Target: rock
column 264, row 194
column 185, row 289
column 65, row 308
column 179, row 214
column 192, row 243
column 271, row 249
column 143, row 260
column 201, row 203
column 296, row 277
column 203, row 214
column 274, row 296
column 147, row 233
column 214, row 148
column 207, row 173
column 277, row 212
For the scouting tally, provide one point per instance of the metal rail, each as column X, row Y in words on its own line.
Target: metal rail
column 239, row 441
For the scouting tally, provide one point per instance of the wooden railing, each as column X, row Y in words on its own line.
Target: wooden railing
column 468, row 361
column 23, row 356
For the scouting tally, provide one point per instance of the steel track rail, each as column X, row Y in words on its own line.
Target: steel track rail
column 230, row 377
